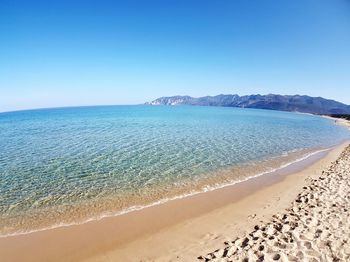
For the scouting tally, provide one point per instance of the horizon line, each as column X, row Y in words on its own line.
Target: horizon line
column 145, row 103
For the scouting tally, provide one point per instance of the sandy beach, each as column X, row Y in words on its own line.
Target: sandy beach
column 314, row 227
column 174, row 131
column 185, row 229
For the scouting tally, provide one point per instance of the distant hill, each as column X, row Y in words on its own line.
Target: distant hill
column 294, row 103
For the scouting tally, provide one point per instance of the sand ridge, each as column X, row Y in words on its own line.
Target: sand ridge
column 314, row 228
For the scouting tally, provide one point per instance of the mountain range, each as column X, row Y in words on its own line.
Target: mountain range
column 294, row 103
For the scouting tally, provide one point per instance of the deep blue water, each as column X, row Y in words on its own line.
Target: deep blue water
column 59, row 162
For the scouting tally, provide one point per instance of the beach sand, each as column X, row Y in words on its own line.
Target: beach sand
column 192, row 227
column 316, row 226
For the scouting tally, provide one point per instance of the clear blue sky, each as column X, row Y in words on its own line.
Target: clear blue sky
column 64, row 53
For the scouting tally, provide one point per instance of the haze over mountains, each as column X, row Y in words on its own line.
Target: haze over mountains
column 294, row 103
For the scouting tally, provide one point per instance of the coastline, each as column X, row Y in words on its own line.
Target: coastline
column 339, row 121
column 314, row 227
column 98, row 172
column 182, row 223
column 240, row 173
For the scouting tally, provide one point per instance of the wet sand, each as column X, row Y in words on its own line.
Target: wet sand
column 178, row 230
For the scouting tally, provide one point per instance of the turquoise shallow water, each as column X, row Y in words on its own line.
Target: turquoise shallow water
column 70, row 164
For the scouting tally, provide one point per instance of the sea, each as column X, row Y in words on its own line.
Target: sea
column 67, row 166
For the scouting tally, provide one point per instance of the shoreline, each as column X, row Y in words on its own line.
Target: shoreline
column 281, row 166
column 314, row 226
column 338, row 121
column 93, row 233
